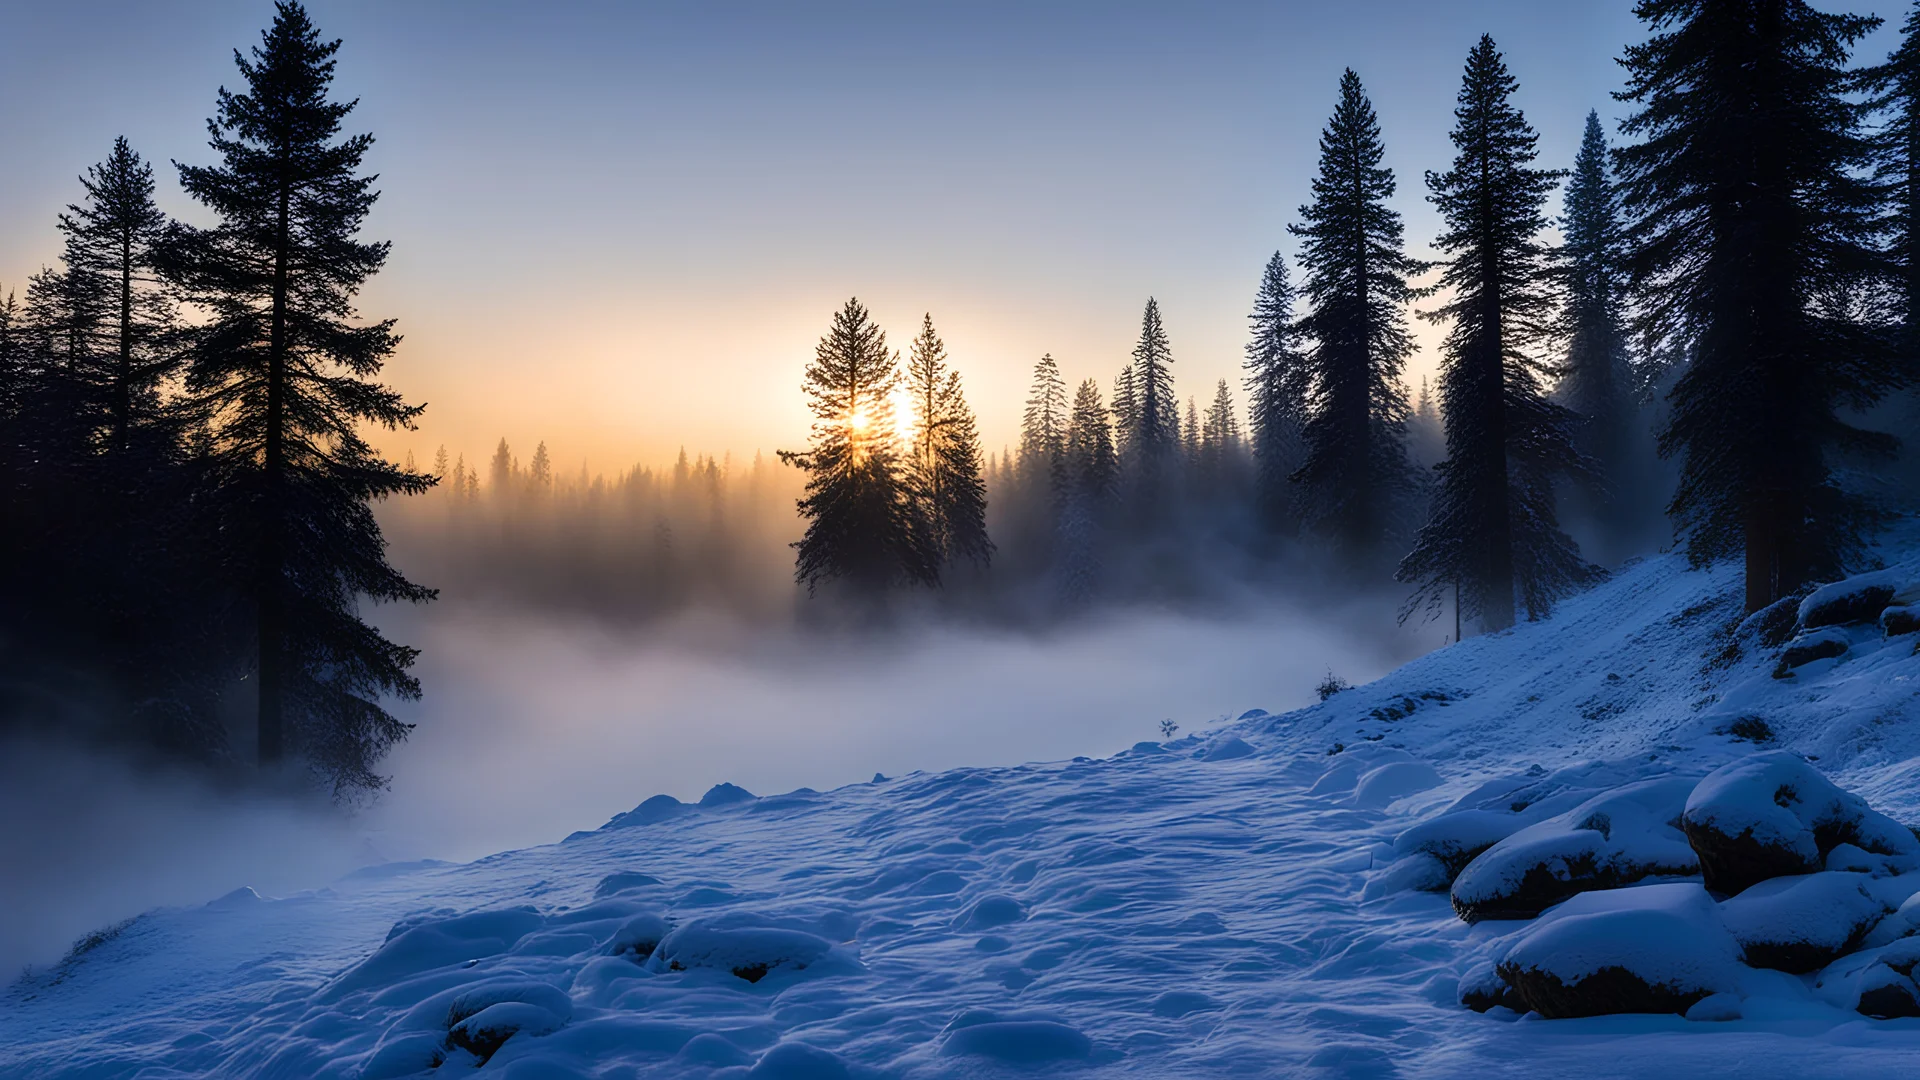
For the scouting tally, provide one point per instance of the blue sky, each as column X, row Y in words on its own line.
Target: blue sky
column 620, row 228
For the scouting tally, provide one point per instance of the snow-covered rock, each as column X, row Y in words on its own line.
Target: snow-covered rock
column 1654, row 948
column 1801, row 924
column 1858, row 599
column 1822, row 644
column 1774, row 815
column 743, row 946
column 1613, row 839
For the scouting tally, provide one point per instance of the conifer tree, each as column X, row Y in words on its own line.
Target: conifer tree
column 1596, row 381
column 1492, row 530
column 501, row 470
column 1278, row 384
column 1747, row 205
column 1190, row 439
column 287, row 373
column 1220, row 434
column 1156, row 412
column 1895, row 155
column 863, row 525
column 1125, row 412
column 1093, row 470
column 1043, row 427
column 114, row 238
column 946, row 458
column 1355, row 477
column 540, row 471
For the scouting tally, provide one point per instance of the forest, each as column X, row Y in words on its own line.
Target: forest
column 1698, row 332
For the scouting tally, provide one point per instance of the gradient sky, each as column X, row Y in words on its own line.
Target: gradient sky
column 621, row 228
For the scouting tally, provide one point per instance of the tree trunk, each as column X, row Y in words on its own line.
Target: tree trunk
column 272, row 627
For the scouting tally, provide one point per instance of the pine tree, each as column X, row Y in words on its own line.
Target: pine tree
column 946, row 457
column 863, row 526
column 114, row 238
column 1278, row 384
column 1190, row 440
column 1126, row 415
column 501, row 471
column 1355, row 477
column 1220, row 433
column 540, row 471
column 1492, row 528
column 1156, row 411
column 440, row 462
column 1895, row 155
column 1747, row 206
column 1093, row 470
column 1043, row 427
column 287, row 374
column 1596, row 381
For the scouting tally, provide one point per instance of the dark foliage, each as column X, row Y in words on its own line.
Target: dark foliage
column 1493, row 531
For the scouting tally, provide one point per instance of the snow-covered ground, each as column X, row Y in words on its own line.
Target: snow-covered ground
column 1230, row 904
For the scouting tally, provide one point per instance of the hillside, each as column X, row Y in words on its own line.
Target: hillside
column 1227, row 904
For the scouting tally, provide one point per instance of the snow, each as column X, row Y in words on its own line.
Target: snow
column 1276, row 908
column 1668, row 934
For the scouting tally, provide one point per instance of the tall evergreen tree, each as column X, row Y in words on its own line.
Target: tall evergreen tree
column 286, row 374
column 1355, row 477
column 1895, row 154
column 114, row 237
column 1093, row 470
column 1125, row 411
column 1493, row 531
column 1596, row 382
column 946, row 458
column 1278, row 384
column 1043, row 427
column 863, row 525
column 1156, row 411
column 1747, row 205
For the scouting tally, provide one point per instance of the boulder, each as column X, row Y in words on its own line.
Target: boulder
column 1903, row 619
column 1612, row 839
column 638, row 937
column 1810, row 646
column 1482, row 988
column 1886, row 994
column 739, row 944
column 483, row 1033
column 1858, row 599
column 1773, row 815
column 1801, row 924
column 1649, row 949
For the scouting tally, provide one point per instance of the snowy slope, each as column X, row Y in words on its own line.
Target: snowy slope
column 1192, row 909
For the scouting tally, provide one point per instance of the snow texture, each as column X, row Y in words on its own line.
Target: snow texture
column 1249, row 902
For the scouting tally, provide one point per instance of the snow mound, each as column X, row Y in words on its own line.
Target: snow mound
column 1801, row 924
column 1613, row 839
column 1774, row 815
column 741, row 945
column 1015, row 1039
column 1655, row 948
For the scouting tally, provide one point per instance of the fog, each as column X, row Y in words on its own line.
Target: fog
column 535, row 725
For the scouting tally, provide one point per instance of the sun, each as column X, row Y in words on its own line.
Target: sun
column 860, row 420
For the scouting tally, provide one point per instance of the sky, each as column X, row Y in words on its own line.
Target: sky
column 621, row 228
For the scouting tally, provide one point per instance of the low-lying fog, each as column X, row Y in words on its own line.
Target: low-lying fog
column 532, row 728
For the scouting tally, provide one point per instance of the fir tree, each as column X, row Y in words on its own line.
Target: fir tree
column 1126, row 414
column 540, row 471
column 1747, row 205
column 1093, row 470
column 113, row 238
column 1155, row 410
column 946, row 458
column 1895, row 155
column 863, row 525
column 1596, row 382
column 1043, row 427
column 1492, row 530
column 287, row 376
column 1355, row 477
column 1278, row 384
column 501, row 470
